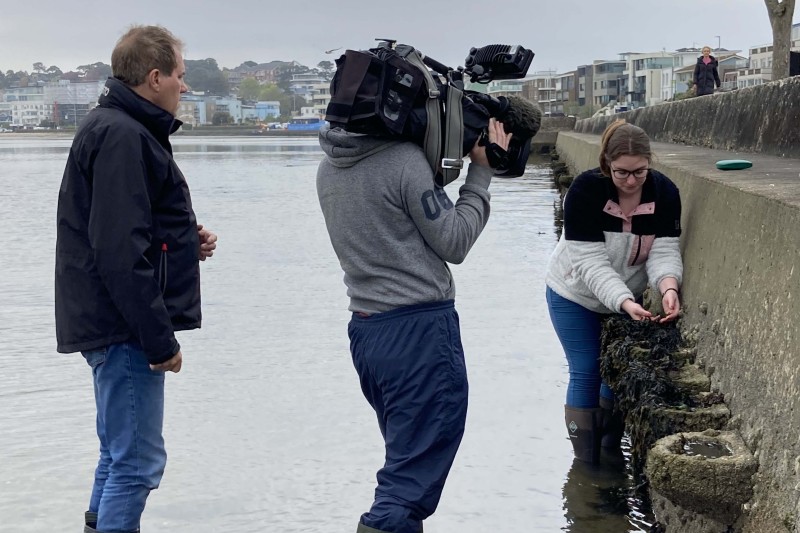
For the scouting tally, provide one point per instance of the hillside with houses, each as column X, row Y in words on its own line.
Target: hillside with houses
column 270, row 95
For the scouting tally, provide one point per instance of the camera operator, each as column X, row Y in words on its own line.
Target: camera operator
column 394, row 232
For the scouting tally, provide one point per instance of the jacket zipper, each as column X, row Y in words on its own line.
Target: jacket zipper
column 162, row 268
column 638, row 249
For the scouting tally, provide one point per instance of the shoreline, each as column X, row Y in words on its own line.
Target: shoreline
column 199, row 132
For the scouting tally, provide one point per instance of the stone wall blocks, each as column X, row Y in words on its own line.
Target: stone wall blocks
column 691, row 380
column 709, row 472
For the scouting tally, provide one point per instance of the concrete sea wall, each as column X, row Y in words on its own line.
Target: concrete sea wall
column 761, row 119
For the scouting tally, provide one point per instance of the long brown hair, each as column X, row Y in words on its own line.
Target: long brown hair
column 621, row 138
column 142, row 49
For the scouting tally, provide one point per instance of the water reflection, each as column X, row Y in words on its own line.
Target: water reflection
column 256, row 145
column 605, row 498
column 558, row 215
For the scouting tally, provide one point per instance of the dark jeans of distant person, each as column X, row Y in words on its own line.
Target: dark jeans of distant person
column 410, row 363
column 130, row 416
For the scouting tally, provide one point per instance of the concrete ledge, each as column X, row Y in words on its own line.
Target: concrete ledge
column 762, row 119
column 741, row 298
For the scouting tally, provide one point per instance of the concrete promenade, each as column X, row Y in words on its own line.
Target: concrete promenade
column 741, row 297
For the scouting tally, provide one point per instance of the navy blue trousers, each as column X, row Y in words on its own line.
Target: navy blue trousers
column 410, row 363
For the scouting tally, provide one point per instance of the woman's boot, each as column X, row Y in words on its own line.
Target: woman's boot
column 90, row 522
column 613, row 425
column 584, row 428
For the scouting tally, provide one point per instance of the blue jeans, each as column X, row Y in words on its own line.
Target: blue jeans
column 410, row 363
column 130, row 415
column 578, row 329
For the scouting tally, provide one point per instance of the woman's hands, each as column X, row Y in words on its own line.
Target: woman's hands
column 670, row 301
column 636, row 311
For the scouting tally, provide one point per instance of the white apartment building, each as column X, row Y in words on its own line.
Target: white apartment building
column 59, row 103
column 607, row 82
column 320, row 98
column 539, row 87
column 26, row 106
column 642, row 78
column 70, row 102
column 304, row 84
column 759, row 70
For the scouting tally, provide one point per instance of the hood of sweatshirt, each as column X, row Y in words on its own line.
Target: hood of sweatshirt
column 344, row 149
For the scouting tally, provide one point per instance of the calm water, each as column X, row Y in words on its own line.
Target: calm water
column 266, row 427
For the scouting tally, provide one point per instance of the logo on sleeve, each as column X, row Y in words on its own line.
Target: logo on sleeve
column 433, row 201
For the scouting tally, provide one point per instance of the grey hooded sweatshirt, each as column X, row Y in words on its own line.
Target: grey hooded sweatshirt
column 392, row 229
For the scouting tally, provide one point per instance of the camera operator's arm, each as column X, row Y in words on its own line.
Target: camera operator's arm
column 451, row 230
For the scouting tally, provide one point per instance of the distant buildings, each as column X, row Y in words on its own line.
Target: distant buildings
column 639, row 79
column 50, row 104
column 632, row 80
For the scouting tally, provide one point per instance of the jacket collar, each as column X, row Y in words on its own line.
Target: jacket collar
column 117, row 95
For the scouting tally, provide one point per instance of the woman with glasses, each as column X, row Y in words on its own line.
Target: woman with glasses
column 621, row 232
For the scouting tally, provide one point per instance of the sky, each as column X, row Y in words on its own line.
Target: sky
column 562, row 33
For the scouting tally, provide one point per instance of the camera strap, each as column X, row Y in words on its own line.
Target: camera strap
column 452, row 162
column 433, row 131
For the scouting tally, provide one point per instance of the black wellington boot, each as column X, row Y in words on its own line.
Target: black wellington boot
column 584, row 427
column 613, row 425
column 90, row 522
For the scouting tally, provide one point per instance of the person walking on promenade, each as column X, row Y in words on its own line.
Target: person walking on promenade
column 621, row 231
column 127, row 275
column 706, row 75
column 394, row 232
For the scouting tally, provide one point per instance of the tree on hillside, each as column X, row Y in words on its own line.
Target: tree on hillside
column 291, row 104
column 95, row 71
column 46, row 74
column 271, row 93
column 286, row 72
column 220, row 118
column 249, row 89
column 780, row 18
column 205, row 75
column 15, row 79
column 326, row 69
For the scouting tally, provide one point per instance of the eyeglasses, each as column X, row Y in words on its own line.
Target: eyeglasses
column 623, row 174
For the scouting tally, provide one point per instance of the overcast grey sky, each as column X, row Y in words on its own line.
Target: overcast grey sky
column 562, row 33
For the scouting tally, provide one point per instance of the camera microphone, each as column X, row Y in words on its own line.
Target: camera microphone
column 521, row 117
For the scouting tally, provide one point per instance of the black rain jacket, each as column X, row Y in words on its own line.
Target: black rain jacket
column 706, row 77
column 127, row 244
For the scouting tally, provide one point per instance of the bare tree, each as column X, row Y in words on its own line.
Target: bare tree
column 780, row 18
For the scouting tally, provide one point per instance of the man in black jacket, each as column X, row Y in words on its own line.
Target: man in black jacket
column 127, row 273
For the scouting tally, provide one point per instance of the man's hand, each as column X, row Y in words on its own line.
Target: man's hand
column 497, row 135
column 208, row 242
column 170, row 365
